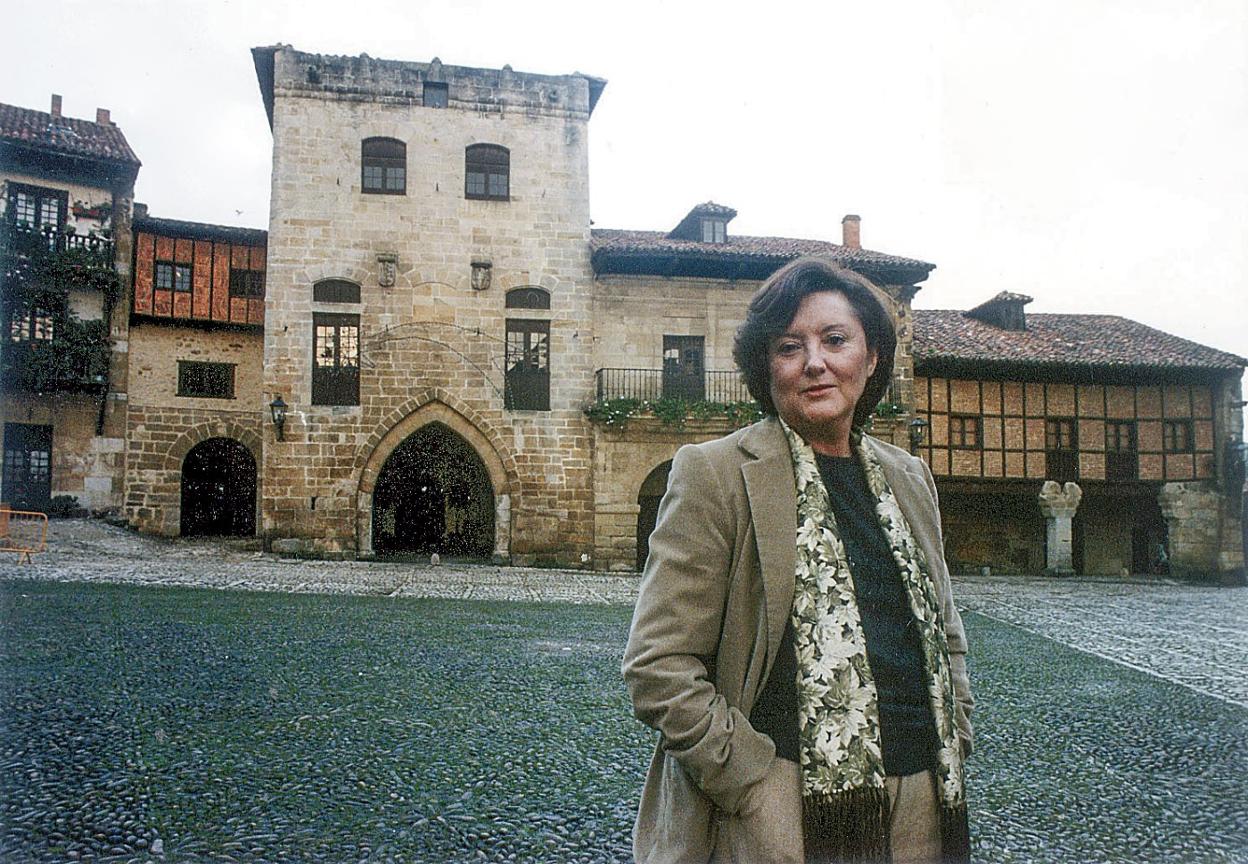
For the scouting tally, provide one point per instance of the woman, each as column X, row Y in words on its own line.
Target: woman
column 795, row 641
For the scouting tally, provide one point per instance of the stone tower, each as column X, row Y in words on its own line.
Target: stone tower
column 428, row 308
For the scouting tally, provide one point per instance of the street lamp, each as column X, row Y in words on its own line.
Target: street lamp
column 917, row 425
column 278, row 409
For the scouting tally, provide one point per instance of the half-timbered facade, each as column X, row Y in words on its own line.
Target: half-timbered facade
column 193, row 440
column 1146, row 424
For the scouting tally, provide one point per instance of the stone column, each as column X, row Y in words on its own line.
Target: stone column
column 1058, row 504
column 502, row 529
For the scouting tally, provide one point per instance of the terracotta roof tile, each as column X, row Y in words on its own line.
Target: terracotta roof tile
column 774, row 250
column 1060, row 340
column 39, row 129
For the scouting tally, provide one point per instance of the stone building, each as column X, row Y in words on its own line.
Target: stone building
column 195, row 423
column 429, row 314
column 431, row 350
column 66, row 187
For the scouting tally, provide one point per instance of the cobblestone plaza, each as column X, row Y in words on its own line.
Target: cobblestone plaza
column 189, row 725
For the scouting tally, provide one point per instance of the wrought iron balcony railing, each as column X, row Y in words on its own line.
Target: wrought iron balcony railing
column 651, row 384
column 24, row 240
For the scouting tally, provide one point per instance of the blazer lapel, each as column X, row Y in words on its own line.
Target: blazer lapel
column 910, row 490
column 773, row 509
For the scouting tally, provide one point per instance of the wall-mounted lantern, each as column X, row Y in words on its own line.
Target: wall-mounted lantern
column 278, row 409
column 917, row 425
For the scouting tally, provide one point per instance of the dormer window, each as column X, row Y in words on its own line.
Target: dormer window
column 705, row 223
column 1004, row 311
column 714, row 230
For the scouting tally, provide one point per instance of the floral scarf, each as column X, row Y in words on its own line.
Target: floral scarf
column 845, row 807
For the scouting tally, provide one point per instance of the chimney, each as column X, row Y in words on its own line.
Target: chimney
column 56, row 105
column 851, row 233
column 101, row 117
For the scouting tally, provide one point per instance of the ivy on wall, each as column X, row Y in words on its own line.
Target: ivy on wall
column 671, row 411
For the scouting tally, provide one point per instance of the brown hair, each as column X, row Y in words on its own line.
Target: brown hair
column 772, row 310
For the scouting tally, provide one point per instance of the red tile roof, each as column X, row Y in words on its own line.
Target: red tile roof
column 68, row 135
column 1060, row 340
column 610, row 245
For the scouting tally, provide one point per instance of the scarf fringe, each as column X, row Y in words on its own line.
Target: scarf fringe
column 847, row 828
column 955, row 834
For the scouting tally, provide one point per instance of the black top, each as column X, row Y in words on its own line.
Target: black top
column 894, row 653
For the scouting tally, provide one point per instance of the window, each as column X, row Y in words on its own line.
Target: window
column 1061, row 449
column 335, row 359
column 27, row 466
column 1176, row 436
column 435, row 94
column 683, row 367
column 714, row 230
column 530, row 297
column 487, row 172
column 247, row 283
column 1121, row 461
column 527, row 384
column 31, row 324
column 206, row 380
column 384, row 166
column 964, row 431
column 37, row 207
column 173, row 277
column 336, row 291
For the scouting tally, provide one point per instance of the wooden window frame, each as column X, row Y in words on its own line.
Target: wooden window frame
column 246, row 283
column 714, row 230
column 181, row 277
column 1122, row 458
column 684, row 367
column 389, row 158
column 487, row 172
column 526, row 363
column 205, row 380
column 959, row 425
column 41, row 195
column 1178, row 437
column 335, row 375
column 1061, row 448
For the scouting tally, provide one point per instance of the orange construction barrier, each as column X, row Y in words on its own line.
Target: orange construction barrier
column 24, row 532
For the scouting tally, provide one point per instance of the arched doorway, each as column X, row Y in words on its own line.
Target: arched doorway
column 652, row 490
column 434, row 495
column 218, row 490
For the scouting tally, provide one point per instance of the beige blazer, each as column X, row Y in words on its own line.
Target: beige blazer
column 716, row 591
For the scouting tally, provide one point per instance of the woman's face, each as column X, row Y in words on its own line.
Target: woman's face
column 819, row 368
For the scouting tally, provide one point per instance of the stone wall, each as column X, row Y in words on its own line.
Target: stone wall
column 84, row 465
column 159, row 439
column 429, row 336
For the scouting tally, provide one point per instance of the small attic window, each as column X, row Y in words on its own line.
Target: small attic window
column 707, row 223
column 435, row 95
column 714, row 230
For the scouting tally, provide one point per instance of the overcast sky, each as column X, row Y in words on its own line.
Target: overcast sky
column 1090, row 154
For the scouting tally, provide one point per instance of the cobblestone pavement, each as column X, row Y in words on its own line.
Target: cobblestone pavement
column 1191, row 635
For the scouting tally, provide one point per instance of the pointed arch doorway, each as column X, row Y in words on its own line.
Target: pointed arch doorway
column 433, row 494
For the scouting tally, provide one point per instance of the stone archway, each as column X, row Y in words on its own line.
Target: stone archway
column 477, row 443
column 648, row 498
column 218, row 490
column 434, row 495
